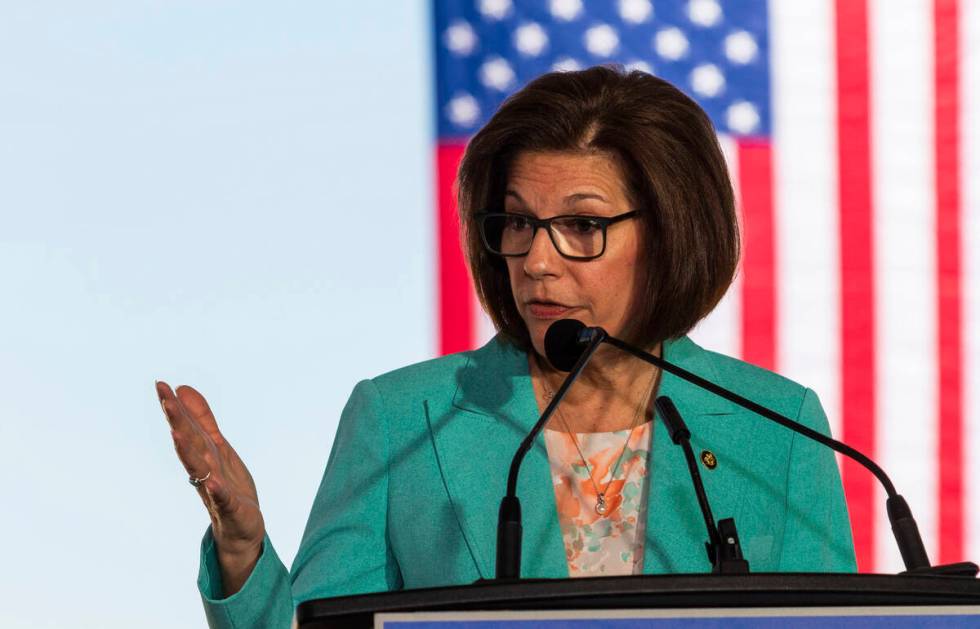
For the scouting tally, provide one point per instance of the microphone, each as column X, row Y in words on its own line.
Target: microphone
column 903, row 525
column 565, row 341
column 509, row 528
column 724, row 551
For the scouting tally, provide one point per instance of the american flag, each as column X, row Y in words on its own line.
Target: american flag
column 852, row 131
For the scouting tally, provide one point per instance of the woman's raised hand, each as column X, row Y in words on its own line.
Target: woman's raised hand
column 224, row 483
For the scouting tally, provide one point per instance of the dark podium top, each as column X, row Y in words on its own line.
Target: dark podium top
column 649, row 592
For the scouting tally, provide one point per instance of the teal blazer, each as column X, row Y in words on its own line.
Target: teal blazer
column 410, row 493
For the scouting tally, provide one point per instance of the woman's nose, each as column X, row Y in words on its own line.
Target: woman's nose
column 542, row 259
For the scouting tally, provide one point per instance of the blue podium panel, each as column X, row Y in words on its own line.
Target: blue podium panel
column 764, row 618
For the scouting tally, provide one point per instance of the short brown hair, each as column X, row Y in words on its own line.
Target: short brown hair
column 675, row 174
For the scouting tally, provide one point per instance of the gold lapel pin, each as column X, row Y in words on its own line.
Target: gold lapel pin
column 709, row 459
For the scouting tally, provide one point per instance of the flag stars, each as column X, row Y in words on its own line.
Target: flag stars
column 742, row 117
column 740, row 48
column 601, row 40
column 530, row 39
column 460, row 38
column 497, row 74
column 463, row 110
column 494, row 46
column 707, row 80
column 670, row 43
column 635, row 11
column 705, row 13
column 565, row 10
column 495, row 10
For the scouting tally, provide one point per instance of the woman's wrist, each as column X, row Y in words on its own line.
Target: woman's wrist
column 237, row 565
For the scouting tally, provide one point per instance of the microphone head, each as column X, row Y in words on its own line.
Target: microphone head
column 562, row 343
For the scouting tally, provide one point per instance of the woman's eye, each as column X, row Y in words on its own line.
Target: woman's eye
column 584, row 225
column 516, row 222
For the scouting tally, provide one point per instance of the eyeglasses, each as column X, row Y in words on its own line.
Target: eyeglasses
column 576, row 237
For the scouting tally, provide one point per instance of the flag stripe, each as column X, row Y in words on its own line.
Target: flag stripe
column 948, row 280
column 856, row 255
column 805, row 184
column 721, row 331
column 455, row 303
column 970, row 238
column 904, row 220
column 758, row 258
column 483, row 329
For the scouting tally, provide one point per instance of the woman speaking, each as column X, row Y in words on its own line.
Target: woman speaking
column 596, row 195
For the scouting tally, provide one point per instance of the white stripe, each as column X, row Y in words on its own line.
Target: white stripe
column 970, row 169
column 483, row 329
column 903, row 194
column 721, row 331
column 805, row 182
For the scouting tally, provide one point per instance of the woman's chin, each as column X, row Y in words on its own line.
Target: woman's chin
column 537, row 341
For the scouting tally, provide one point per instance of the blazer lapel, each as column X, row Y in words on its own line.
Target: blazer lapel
column 675, row 534
column 493, row 409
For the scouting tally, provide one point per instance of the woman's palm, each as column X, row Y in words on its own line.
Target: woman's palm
column 228, row 490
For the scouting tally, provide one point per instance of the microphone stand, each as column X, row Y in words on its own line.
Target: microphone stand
column 509, row 529
column 903, row 524
column 724, row 550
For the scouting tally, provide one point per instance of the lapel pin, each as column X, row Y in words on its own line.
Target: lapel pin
column 709, row 459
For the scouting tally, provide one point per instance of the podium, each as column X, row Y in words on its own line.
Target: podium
column 674, row 591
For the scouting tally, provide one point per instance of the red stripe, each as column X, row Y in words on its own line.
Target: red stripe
column 758, row 257
column 949, row 302
column 455, row 292
column 856, row 266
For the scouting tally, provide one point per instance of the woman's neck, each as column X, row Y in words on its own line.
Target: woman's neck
column 614, row 392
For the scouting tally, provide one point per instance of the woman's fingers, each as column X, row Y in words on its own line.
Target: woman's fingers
column 200, row 461
column 226, row 488
column 198, row 408
column 192, row 444
column 178, row 423
column 191, row 448
column 203, row 451
column 233, row 471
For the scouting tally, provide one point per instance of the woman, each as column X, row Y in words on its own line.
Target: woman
column 596, row 195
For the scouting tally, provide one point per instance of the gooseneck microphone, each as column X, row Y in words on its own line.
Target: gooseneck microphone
column 906, row 532
column 562, row 340
column 724, row 551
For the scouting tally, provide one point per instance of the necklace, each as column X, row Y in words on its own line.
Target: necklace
column 601, row 506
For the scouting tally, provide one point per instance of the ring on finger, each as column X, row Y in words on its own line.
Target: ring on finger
column 197, row 481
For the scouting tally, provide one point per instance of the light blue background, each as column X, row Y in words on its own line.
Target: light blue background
column 235, row 195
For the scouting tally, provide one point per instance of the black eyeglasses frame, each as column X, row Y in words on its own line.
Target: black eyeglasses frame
column 536, row 223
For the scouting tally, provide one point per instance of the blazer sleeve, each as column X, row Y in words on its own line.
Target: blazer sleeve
column 264, row 600
column 817, row 531
column 345, row 546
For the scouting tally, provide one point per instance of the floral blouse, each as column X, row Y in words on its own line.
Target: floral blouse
column 597, row 545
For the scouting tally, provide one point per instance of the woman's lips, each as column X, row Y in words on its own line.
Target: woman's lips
column 547, row 310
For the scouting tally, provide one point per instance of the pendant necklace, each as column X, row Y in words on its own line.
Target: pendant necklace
column 601, row 505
